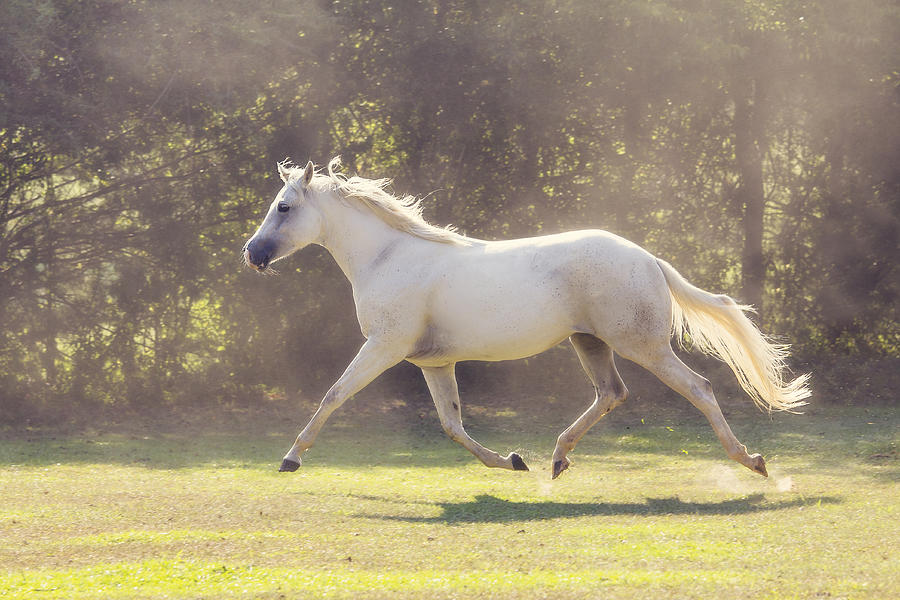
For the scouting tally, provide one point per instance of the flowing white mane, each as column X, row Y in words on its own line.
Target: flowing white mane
column 403, row 213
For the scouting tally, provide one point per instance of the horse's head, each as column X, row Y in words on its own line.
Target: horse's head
column 292, row 222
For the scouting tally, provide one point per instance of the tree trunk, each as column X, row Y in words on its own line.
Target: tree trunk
column 750, row 195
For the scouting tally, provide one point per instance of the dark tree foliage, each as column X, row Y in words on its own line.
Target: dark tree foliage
column 752, row 144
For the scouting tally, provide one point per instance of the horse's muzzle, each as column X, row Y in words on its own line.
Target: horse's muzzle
column 258, row 253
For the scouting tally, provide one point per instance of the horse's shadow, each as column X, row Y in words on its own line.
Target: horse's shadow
column 490, row 509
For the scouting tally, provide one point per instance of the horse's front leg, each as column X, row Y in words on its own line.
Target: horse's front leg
column 371, row 361
column 442, row 385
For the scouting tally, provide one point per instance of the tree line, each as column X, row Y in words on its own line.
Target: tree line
column 752, row 144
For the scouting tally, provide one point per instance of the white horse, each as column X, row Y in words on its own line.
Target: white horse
column 434, row 297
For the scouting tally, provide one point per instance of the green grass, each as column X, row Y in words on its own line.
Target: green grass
column 392, row 510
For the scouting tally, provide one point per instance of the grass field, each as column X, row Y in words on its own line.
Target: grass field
column 383, row 509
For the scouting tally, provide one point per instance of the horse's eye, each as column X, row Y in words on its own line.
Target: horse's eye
column 282, row 207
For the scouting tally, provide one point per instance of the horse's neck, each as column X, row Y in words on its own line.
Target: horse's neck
column 356, row 238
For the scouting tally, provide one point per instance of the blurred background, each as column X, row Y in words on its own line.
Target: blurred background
column 753, row 144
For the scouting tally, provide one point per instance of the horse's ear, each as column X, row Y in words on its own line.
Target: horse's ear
column 308, row 173
column 283, row 171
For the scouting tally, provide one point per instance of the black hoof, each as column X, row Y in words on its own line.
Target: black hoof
column 559, row 466
column 289, row 466
column 759, row 465
column 517, row 462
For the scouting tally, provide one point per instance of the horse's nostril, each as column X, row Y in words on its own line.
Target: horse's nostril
column 259, row 253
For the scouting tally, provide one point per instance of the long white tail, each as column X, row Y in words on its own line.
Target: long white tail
column 717, row 325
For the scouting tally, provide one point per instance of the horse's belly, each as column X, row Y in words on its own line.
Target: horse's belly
column 498, row 322
column 440, row 347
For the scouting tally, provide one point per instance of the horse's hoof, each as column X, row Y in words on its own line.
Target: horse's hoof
column 517, row 462
column 759, row 465
column 288, row 465
column 559, row 466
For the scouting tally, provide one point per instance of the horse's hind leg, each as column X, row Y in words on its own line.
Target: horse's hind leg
column 698, row 390
column 597, row 359
column 442, row 385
